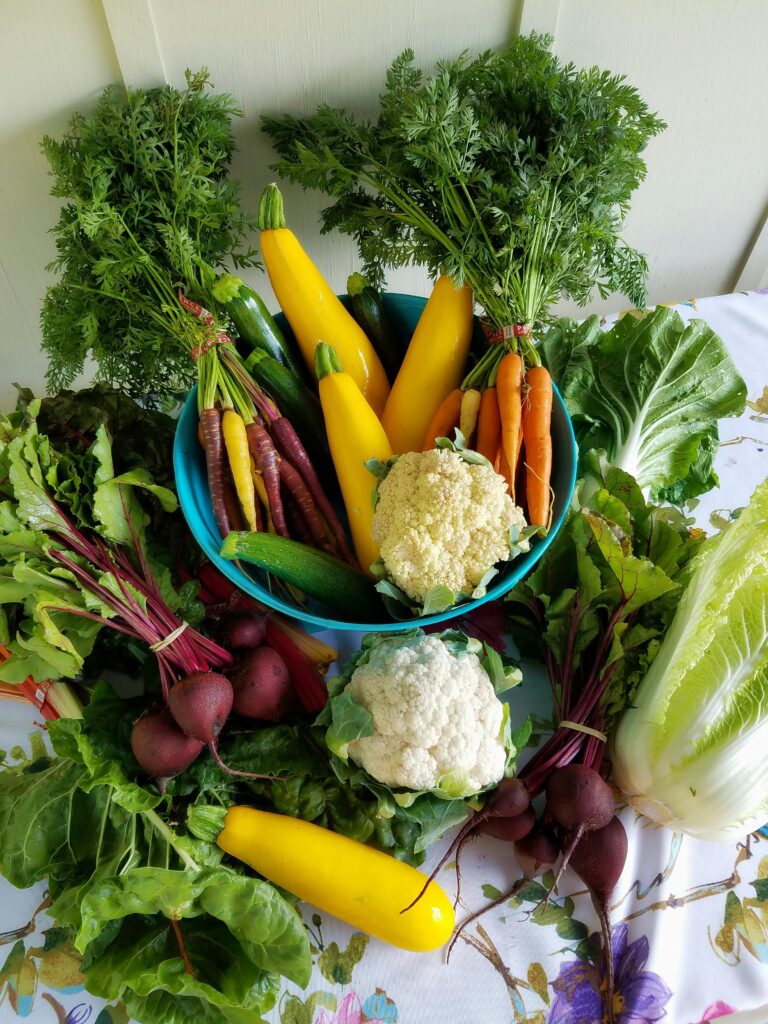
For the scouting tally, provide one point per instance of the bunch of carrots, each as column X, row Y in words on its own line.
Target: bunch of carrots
column 508, row 421
column 271, row 483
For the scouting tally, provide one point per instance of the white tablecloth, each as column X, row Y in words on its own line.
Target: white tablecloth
column 690, row 919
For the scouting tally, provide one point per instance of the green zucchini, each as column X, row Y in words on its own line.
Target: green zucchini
column 253, row 321
column 344, row 589
column 366, row 306
column 296, row 402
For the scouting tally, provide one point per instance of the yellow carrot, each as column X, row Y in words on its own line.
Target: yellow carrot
column 239, row 457
column 470, row 409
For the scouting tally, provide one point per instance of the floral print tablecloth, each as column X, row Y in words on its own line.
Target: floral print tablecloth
column 690, row 919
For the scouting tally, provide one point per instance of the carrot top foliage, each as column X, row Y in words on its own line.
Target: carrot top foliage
column 147, row 205
column 509, row 171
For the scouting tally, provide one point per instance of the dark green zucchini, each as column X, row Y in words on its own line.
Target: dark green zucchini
column 344, row 589
column 253, row 321
column 296, row 402
column 367, row 308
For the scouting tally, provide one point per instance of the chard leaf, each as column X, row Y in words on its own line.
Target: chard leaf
column 267, row 928
column 648, row 391
column 45, row 821
column 142, row 967
column 100, row 742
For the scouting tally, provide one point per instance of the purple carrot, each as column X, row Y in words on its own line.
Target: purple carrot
column 210, row 420
column 265, row 457
column 291, row 448
column 295, row 485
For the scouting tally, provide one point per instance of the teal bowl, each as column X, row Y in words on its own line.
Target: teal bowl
column 195, row 501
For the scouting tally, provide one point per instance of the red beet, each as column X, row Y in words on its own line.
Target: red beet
column 509, row 829
column 578, row 798
column 244, row 632
column 581, row 801
column 598, row 858
column 262, row 686
column 201, row 704
column 536, row 852
column 160, row 747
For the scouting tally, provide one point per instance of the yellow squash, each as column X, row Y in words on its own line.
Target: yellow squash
column 310, row 305
column 354, row 436
column 359, row 885
column 433, row 365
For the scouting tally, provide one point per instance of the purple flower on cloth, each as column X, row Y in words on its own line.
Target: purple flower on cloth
column 639, row 996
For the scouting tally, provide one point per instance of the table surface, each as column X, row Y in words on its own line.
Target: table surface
column 690, row 919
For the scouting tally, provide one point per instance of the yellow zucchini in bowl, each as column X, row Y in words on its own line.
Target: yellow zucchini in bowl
column 311, row 307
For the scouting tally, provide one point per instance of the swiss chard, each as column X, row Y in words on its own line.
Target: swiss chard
column 595, row 608
column 160, row 922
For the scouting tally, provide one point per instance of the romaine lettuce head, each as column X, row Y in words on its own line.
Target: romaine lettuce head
column 693, row 751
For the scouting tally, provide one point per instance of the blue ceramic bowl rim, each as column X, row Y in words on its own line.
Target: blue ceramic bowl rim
column 521, row 566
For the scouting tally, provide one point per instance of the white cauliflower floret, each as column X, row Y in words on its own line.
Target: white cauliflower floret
column 435, row 714
column 441, row 521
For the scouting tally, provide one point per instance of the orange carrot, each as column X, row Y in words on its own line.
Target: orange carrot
column 509, row 381
column 444, row 420
column 489, row 425
column 537, row 416
column 502, row 467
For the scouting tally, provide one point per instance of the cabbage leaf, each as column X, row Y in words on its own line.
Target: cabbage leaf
column 693, row 751
column 648, row 392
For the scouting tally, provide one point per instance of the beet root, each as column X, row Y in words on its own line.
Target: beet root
column 160, row 747
column 536, row 852
column 509, row 829
column 262, row 686
column 201, row 704
column 244, row 632
column 578, row 797
column 598, row 858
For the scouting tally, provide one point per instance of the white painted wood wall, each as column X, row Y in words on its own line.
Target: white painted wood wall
column 700, row 63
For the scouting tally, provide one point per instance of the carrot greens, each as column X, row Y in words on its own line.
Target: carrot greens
column 509, row 171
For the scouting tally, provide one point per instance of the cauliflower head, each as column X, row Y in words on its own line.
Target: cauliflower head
column 437, row 722
column 441, row 521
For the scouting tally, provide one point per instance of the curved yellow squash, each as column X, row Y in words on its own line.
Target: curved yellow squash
column 316, row 314
column 354, row 436
column 359, row 885
column 433, row 365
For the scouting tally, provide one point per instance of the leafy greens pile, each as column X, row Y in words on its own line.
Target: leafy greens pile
column 508, row 171
column 147, row 200
column 645, row 397
column 160, row 922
